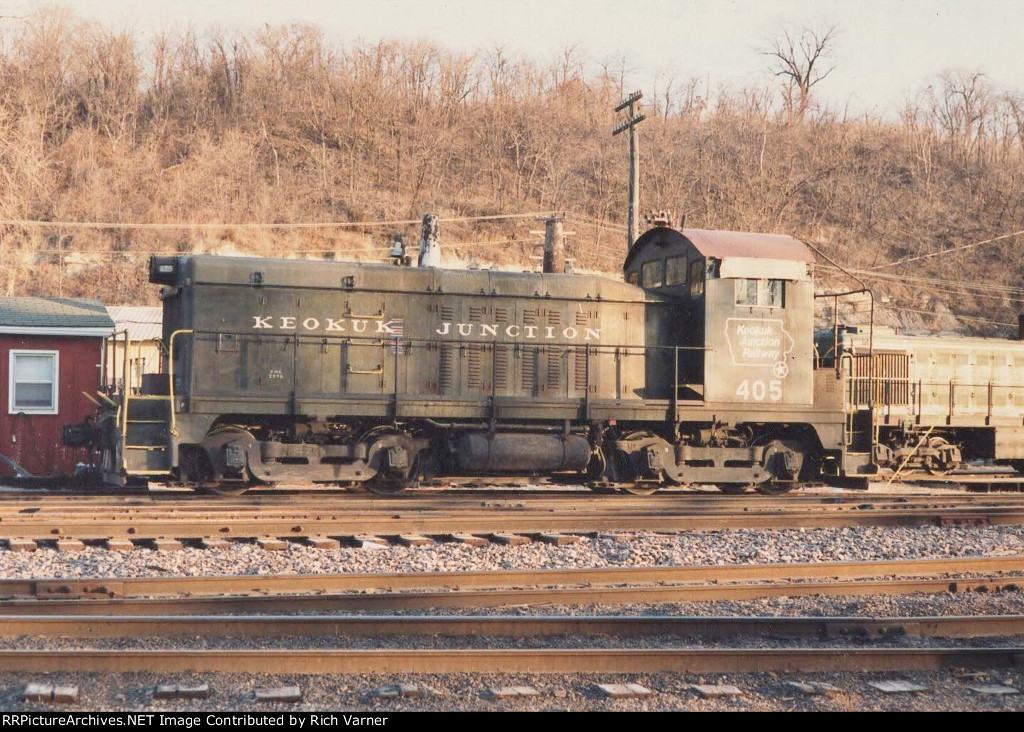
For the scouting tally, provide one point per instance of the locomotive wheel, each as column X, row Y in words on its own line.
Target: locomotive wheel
column 640, row 489
column 393, row 484
column 774, row 487
column 199, row 472
column 223, row 488
column 733, row 489
column 383, row 487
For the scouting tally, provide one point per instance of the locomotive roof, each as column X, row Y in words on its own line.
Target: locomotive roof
column 314, row 274
column 723, row 244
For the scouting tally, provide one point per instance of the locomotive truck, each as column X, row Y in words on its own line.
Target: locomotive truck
column 701, row 367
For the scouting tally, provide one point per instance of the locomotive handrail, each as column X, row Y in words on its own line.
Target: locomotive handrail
column 372, row 340
column 170, row 375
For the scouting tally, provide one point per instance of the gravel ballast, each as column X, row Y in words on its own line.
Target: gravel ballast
column 945, row 690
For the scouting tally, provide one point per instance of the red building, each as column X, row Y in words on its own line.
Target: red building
column 50, row 349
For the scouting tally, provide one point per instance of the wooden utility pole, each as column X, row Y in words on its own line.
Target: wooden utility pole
column 634, row 161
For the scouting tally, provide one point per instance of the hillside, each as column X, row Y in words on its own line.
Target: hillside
column 237, row 141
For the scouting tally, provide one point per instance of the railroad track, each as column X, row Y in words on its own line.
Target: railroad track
column 417, row 591
column 611, row 647
column 444, row 518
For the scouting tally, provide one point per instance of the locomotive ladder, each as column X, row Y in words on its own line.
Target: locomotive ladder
column 145, row 428
column 146, row 423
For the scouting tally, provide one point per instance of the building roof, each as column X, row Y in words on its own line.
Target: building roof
column 143, row 322
column 54, row 316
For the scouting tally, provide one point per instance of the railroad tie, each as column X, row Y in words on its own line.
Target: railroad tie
column 281, row 694
column 711, row 691
column 897, row 686
column 213, row 542
column 512, row 692
column 813, row 688
column 468, row 539
column 370, row 542
column 509, row 539
column 167, row 544
column 558, row 539
column 271, row 543
column 50, row 693
column 179, row 691
column 18, row 544
column 398, row 690
column 414, row 540
column 322, row 542
column 118, row 545
column 623, row 691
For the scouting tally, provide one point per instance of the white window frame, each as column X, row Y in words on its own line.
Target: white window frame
column 12, row 408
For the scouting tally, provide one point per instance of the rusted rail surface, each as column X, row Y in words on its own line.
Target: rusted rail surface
column 502, row 597
column 15, row 503
column 424, row 581
column 518, row 627
column 995, row 572
column 588, row 660
column 93, row 524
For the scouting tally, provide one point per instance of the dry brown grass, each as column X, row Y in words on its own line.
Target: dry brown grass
column 283, row 128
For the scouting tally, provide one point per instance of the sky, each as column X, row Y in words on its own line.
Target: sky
column 886, row 51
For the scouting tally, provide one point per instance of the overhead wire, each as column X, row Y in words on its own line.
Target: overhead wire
column 949, row 250
column 254, row 225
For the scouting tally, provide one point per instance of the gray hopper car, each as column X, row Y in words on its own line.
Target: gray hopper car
column 702, row 367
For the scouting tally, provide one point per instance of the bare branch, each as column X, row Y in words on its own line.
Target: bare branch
column 797, row 60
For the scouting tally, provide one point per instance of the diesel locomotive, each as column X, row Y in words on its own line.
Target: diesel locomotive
column 701, row 367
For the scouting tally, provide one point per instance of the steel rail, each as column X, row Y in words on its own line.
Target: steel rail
column 42, row 527
column 500, row 597
column 587, row 660
column 12, row 504
column 332, row 497
column 519, row 627
column 41, row 588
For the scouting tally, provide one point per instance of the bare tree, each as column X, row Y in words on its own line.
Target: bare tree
column 799, row 59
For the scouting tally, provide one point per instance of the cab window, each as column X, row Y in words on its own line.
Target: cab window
column 696, row 278
column 675, row 271
column 654, row 273
column 760, row 293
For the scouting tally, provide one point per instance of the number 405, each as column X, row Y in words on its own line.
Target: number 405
column 759, row 391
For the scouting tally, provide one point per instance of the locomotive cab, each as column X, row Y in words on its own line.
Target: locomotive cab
column 740, row 325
